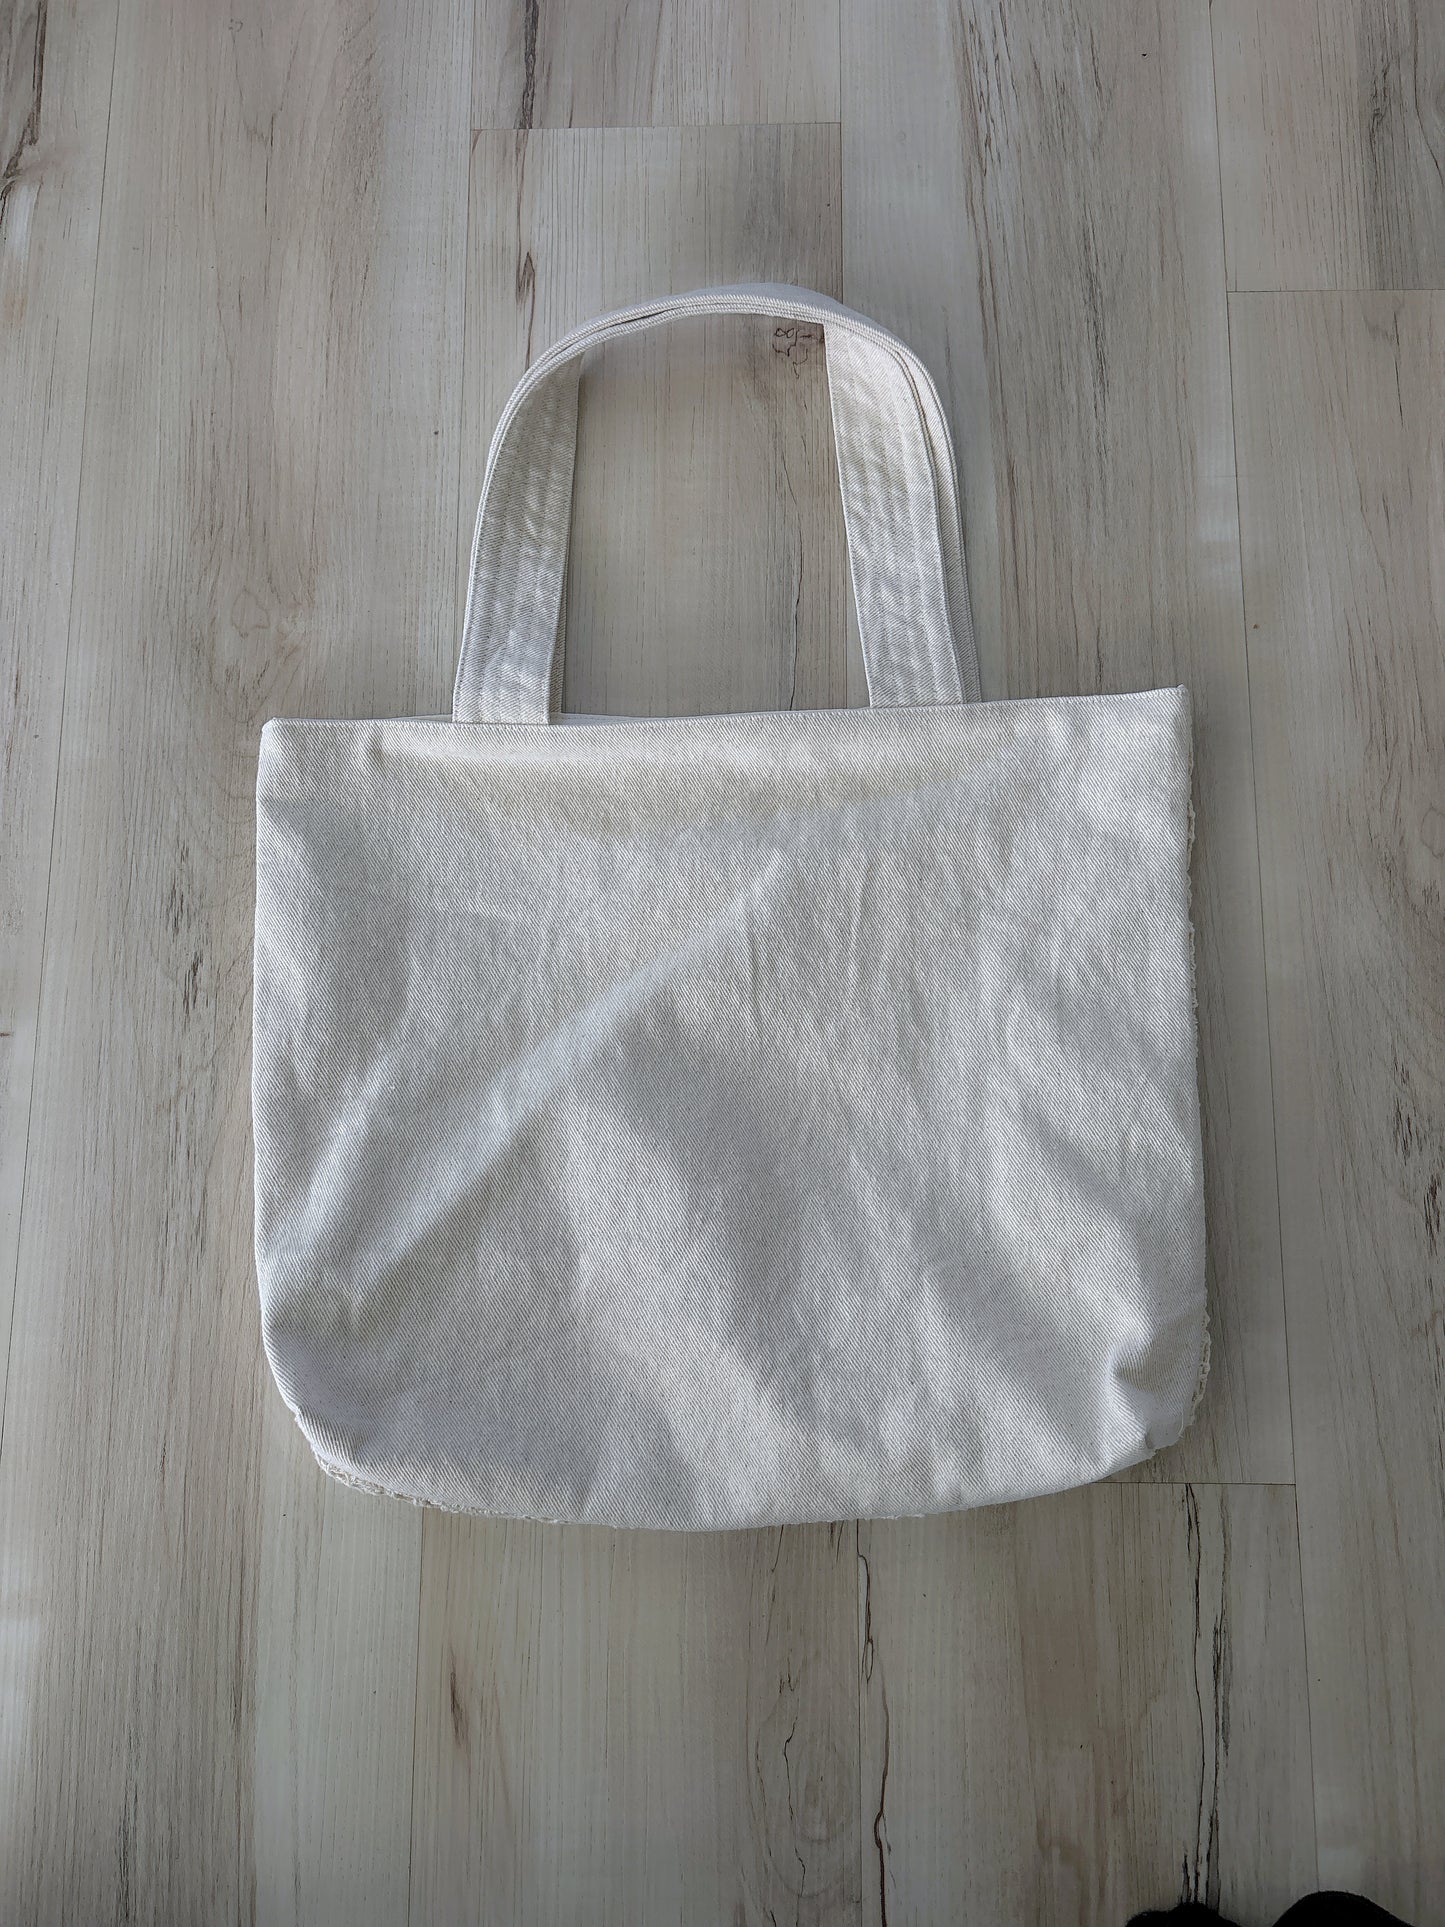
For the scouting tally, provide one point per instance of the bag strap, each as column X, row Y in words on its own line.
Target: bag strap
column 900, row 511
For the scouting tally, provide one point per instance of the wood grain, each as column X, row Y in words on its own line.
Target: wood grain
column 1068, row 291
column 636, row 1727
column 1085, row 1706
column 55, row 68
column 244, row 487
column 267, row 523
column 336, row 1640
column 1332, row 141
column 1340, row 424
column 670, row 63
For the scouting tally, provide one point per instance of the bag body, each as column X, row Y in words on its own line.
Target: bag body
column 733, row 1120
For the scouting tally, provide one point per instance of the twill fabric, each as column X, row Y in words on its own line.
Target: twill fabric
column 728, row 1121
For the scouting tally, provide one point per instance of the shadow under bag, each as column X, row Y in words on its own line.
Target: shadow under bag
column 734, row 1120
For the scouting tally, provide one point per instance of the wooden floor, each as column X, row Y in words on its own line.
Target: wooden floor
column 267, row 270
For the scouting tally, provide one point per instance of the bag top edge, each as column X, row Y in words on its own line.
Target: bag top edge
column 1170, row 698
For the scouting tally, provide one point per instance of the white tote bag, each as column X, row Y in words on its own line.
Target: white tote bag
column 733, row 1120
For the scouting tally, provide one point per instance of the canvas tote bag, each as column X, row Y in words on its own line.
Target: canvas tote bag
column 730, row 1120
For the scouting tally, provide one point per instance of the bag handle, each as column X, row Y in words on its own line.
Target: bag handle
column 900, row 511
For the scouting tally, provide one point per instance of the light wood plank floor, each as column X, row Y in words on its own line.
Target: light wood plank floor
column 268, row 270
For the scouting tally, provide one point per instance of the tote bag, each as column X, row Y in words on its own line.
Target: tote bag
column 732, row 1120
